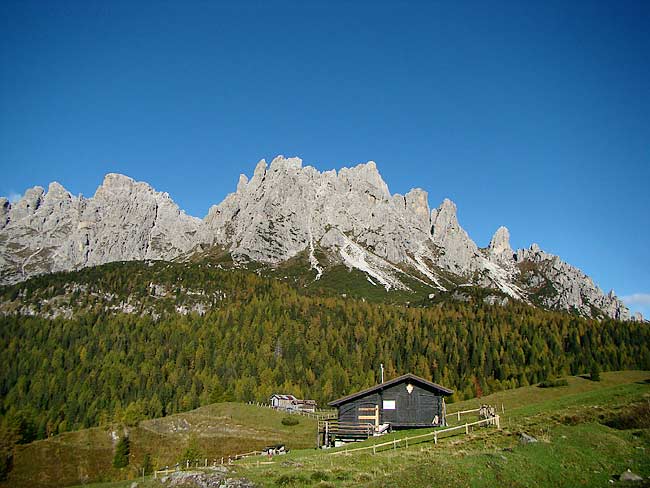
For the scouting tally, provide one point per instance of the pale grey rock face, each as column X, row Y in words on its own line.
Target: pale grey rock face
column 574, row 290
column 499, row 249
column 4, row 212
column 460, row 254
column 125, row 220
column 284, row 210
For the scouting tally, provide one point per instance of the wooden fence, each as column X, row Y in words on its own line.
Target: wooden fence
column 463, row 412
column 496, row 421
column 203, row 463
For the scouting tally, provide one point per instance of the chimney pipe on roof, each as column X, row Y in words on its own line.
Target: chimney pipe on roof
column 382, row 372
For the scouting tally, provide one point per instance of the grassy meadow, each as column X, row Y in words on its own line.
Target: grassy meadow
column 215, row 430
column 576, row 446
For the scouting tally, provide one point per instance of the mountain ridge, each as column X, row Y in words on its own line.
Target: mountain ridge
column 285, row 209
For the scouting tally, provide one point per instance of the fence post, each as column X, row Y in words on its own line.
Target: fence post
column 374, row 450
column 466, row 428
column 459, row 415
column 435, row 437
column 406, row 439
column 498, row 422
column 394, row 444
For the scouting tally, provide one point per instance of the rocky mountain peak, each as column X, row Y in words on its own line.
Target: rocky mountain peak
column 284, row 210
column 117, row 180
column 280, row 163
column 499, row 247
column 241, row 184
column 56, row 191
column 28, row 204
column 365, row 177
column 444, row 220
column 461, row 253
column 260, row 169
column 417, row 202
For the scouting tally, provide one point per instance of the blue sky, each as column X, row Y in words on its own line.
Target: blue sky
column 533, row 115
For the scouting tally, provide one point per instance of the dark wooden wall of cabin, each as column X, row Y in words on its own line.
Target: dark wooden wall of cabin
column 415, row 409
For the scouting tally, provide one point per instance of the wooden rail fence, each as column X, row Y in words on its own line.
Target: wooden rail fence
column 203, row 463
column 463, row 412
column 496, row 421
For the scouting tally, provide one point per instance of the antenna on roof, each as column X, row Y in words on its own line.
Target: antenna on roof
column 382, row 372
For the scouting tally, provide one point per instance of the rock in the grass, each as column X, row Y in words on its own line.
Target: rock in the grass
column 527, row 439
column 630, row 476
column 202, row 479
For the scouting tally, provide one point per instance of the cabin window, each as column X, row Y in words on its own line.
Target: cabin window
column 389, row 404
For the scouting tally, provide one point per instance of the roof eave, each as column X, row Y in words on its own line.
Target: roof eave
column 352, row 396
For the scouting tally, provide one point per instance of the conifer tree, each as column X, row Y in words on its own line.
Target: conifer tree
column 122, row 452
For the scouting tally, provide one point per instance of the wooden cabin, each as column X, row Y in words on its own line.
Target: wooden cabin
column 405, row 402
column 304, row 405
column 290, row 402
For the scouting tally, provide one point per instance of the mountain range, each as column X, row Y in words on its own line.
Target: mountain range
column 289, row 212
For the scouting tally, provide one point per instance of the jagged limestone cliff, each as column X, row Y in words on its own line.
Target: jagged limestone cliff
column 124, row 220
column 284, row 210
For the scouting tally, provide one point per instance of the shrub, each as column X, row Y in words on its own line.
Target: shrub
column 636, row 417
column 147, row 464
column 192, row 452
column 291, row 480
column 319, row 476
column 553, row 383
column 290, row 421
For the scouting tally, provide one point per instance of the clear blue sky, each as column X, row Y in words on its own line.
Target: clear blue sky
column 533, row 115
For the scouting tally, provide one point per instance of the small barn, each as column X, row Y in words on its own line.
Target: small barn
column 304, row 405
column 404, row 402
column 282, row 401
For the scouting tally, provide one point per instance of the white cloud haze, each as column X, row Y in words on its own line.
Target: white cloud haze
column 637, row 299
column 14, row 197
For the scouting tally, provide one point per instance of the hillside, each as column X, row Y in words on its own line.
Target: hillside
column 589, row 432
column 145, row 339
column 212, row 431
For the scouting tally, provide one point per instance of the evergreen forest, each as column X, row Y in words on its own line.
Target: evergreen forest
column 128, row 341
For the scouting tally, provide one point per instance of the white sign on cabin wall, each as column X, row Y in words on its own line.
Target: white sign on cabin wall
column 389, row 404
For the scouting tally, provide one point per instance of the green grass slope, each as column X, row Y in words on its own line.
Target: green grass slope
column 575, row 446
column 216, row 430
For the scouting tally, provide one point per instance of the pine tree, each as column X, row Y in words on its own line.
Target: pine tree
column 122, row 451
column 595, row 372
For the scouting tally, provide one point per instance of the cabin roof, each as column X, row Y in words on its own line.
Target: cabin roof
column 283, row 397
column 406, row 377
